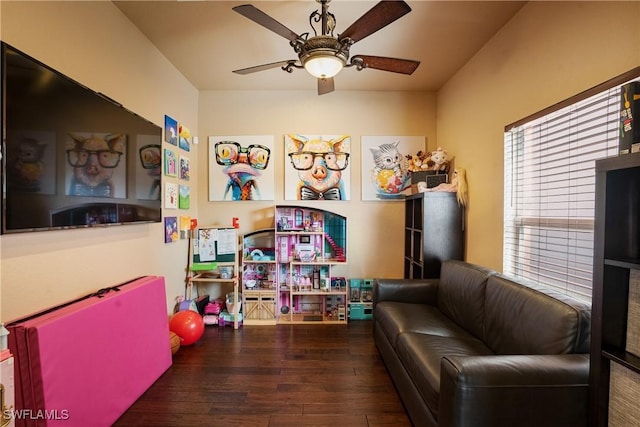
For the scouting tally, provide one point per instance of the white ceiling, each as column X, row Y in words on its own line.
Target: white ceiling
column 207, row 40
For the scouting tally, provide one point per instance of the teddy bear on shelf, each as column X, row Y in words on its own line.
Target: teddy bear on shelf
column 439, row 161
column 418, row 162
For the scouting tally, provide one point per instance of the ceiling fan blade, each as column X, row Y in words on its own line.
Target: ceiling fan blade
column 395, row 65
column 379, row 16
column 326, row 86
column 258, row 16
column 261, row 67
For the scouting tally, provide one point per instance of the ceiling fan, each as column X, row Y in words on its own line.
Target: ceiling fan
column 323, row 55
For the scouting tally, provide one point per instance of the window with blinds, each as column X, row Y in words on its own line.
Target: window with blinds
column 549, row 191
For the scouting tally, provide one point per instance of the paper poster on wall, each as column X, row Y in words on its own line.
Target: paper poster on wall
column 206, row 249
column 385, row 172
column 226, row 241
column 317, row 167
column 241, row 168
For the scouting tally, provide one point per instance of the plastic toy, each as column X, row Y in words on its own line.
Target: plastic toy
column 188, row 325
column 457, row 185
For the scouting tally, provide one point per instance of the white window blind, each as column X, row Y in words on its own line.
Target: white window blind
column 549, row 192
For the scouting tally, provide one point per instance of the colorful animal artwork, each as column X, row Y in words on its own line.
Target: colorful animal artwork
column 386, row 168
column 389, row 174
column 320, row 163
column 93, row 159
column 242, row 166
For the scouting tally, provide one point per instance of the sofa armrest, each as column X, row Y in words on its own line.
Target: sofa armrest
column 514, row 390
column 418, row 291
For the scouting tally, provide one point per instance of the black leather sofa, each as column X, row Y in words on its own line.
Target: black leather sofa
column 477, row 349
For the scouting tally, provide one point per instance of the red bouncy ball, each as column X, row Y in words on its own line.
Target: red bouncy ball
column 188, row 325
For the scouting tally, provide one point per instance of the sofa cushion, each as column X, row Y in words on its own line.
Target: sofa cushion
column 395, row 318
column 461, row 294
column 532, row 320
column 421, row 355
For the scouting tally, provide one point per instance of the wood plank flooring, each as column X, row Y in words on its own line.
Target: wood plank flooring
column 274, row 376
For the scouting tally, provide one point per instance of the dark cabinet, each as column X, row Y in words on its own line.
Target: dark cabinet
column 434, row 232
column 615, row 342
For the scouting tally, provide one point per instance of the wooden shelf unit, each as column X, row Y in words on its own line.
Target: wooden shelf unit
column 616, row 260
column 434, row 232
column 204, row 278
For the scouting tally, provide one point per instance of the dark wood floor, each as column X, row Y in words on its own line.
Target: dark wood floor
column 285, row 375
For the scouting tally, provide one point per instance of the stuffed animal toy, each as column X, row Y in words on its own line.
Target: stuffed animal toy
column 418, row 162
column 439, row 161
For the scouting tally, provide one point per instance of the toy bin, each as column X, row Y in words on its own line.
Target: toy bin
column 231, row 307
column 226, row 319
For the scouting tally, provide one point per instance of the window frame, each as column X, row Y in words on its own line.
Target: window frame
column 518, row 228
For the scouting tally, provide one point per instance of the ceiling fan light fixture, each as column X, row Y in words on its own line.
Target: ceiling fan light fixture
column 323, row 56
column 323, row 66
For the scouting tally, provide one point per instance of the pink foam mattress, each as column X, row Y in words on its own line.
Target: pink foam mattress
column 85, row 362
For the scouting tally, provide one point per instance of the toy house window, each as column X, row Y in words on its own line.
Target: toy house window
column 297, row 216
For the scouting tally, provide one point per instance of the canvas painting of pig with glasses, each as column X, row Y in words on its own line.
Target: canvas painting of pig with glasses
column 317, row 167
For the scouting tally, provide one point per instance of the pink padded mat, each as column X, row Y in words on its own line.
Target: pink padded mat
column 84, row 363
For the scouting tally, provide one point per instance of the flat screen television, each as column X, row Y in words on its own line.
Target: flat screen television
column 71, row 157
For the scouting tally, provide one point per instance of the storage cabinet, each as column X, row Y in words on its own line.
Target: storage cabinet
column 213, row 269
column 259, row 307
column 434, row 232
column 308, row 243
column 615, row 333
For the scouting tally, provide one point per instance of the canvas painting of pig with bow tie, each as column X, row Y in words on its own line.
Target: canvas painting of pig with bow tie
column 317, row 167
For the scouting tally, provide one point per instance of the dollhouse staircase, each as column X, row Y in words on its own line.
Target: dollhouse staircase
column 340, row 255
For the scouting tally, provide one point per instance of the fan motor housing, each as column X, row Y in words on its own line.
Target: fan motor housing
column 323, row 46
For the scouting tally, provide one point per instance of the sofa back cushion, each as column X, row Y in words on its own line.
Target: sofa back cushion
column 523, row 319
column 461, row 294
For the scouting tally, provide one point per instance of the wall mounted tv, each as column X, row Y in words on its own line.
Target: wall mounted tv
column 71, row 157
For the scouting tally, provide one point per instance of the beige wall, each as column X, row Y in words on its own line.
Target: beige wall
column 548, row 52
column 375, row 229
column 93, row 43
